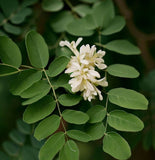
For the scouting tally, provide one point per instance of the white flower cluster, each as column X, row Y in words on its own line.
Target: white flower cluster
column 82, row 69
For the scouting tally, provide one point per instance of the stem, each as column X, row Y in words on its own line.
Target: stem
column 99, row 37
column 25, row 66
column 69, row 4
column 56, row 99
column 106, row 108
column 10, row 66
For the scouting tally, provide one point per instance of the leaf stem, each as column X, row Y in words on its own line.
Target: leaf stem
column 25, row 66
column 56, row 99
column 69, row 4
column 106, row 108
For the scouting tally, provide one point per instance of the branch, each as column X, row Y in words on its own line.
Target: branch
column 141, row 38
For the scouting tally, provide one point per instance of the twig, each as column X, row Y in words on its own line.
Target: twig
column 141, row 38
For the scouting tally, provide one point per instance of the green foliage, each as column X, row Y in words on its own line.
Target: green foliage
column 39, row 110
column 52, row 5
column 14, row 14
column 69, row 151
column 96, row 131
column 45, row 129
column 60, row 21
column 37, row 49
column 79, row 135
column 69, row 99
column 19, row 146
column 75, row 117
column 127, row 98
column 123, row 47
column 52, row 146
column 7, row 46
column 116, row 146
column 124, row 71
column 6, row 70
column 46, row 89
column 57, row 66
column 24, row 80
column 116, row 25
column 123, row 121
column 96, row 114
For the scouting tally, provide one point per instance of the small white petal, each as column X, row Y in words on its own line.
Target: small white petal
column 94, row 73
column 78, row 41
column 101, row 53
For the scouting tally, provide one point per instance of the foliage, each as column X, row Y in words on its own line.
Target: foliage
column 13, row 14
column 22, row 145
column 62, row 117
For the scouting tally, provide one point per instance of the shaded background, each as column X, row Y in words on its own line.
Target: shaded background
column 140, row 16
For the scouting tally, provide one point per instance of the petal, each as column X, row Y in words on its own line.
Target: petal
column 78, row 41
column 92, row 50
column 101, row 53
column 101, row 66
column 102, row 82
column 94, row 73
column 64, row 43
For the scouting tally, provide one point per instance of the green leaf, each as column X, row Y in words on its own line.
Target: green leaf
column 36, row 98
column 127, row 98
column 35, row 89
column 20, row 15
column 58, row 65
column 23, row 127
column 103, row 13
column 6, row 70
column 26, row 3
column 82, row 10
column 79, row 27
column 63, row 51
column 27, row 153
column 39, row 110
column 11, row 148
column 17, row 137
column 123, row 47
column 8, row 7
column 12, row 29
column 124, row 121
column 52, row 5
column 96, row 114
column 60, row 21
column 69, row 99
column 24, row 80
column 47, row 127
column 37, row 49
column 3, row 156
column 35, row 143
column 70, row 151
column 116, row 146
column 88, row 1
column 62, row 81
column 96, row 131
column 116, row 25
column 75, row 117
column 9, row 52
column 122, row 70
column 52, row 146
column 79, row 135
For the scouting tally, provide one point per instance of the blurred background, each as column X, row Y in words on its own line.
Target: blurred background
column 140, row 17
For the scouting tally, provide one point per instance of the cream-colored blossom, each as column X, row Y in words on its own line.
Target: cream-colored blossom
column 81, row 68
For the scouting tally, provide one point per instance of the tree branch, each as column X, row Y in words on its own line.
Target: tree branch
column 141, row 38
